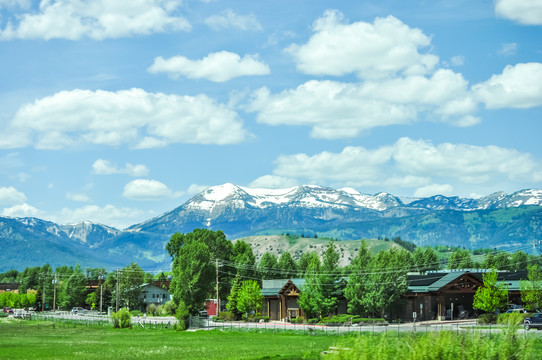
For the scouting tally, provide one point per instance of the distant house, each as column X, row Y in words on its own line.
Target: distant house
column 151, row 294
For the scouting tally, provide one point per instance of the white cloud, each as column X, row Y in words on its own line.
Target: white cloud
column 22, row 210
column 518, row 86
column 273, row 182
column 385, row 47
column 458, row 60
column 219, row 66
column 434, row 189
column 412, row 164
column 508, row 49
column 144, row 189
column 133, row 117
column 11, row 196
column 342, row 110
column 11, row 4
column 229, row 19
column 105, row 167
column 194, row 189
column 527, row 12
column 99, row 19
column 77, row 197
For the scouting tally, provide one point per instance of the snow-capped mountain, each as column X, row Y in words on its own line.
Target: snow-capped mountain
column 241, row 210
column 507, row 221
column 216, row 198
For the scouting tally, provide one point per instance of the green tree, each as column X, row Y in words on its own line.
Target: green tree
column 531, row 289
column 304, row 261
column 425, row 259
column 244, row 259
column 311, row 298
column 193, row 276
column 233, row 298
column 287, row 265
column 268, row 267
column 386, row 281
column 75, row 289
column 460, row 259
column 519, row 261
column 329, row 279
column 491, row 295
column 219, row 249
column 250, row 298
column 130, row 280
column 357, row 281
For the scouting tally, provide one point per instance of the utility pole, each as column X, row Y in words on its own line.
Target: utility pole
column 43, row 295
column 55, row 281
column 217, row 298
column 118, row 290
column 101, row 288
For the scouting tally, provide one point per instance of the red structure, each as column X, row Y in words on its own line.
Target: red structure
column 210, row 307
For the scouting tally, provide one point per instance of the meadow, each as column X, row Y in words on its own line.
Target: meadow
column 40, row 340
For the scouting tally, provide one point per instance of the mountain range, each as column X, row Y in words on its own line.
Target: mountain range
column 507, row 221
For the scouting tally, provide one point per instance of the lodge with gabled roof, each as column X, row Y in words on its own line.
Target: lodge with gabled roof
column 437, row 295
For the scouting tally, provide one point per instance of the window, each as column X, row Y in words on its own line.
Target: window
column 153, row 295
column 163, row 296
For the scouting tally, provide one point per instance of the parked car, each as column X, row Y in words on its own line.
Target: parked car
column 521, row 311
column 8, row 310
column 534, row 321
column 77, row 310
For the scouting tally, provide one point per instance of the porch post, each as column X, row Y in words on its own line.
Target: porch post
column 441, row 308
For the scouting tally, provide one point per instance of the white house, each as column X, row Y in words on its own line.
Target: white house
column 151, row 294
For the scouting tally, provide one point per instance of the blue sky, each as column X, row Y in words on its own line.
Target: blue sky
column 117, row 111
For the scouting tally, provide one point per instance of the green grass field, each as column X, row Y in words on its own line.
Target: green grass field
column 25, row 340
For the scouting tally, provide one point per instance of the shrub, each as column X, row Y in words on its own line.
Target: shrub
column 514, row 318
column 226, row 316
column 121, row 319
column 182, row 315
column 265, row 318
column 170, row 307
column 300, row 319
column 312, row 321
column 136, row 313
column 488, row 318
column 151, row 309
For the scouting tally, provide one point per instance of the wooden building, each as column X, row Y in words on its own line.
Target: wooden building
column 439, row 295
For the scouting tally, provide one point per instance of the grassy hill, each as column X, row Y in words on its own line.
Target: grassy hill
column 277, row 244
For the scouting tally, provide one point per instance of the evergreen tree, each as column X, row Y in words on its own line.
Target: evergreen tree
column 357, row 280
column 386, row 282
column 519, row 261
column 304, row 261
column 268, row 267
column 75, row 289
column 491, row 295
column 311, row 298
column 130, row 280
column 244, row 259
column 233, row 297
column 460, row 259
column 287, row 266
column 329, row 279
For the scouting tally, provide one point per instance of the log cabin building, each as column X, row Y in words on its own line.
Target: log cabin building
column 438, row 295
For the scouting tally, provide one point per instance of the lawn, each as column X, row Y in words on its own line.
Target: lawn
column 25, row 340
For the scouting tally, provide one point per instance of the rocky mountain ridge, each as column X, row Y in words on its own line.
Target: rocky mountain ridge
column 499, row 219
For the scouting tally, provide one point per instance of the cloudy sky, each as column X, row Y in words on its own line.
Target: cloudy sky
column 117, row 111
